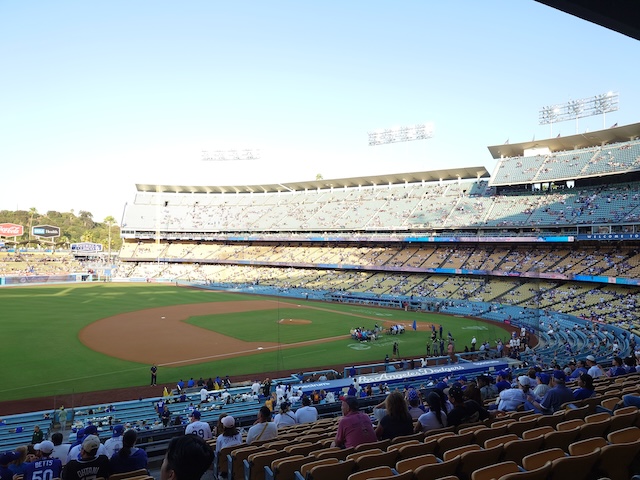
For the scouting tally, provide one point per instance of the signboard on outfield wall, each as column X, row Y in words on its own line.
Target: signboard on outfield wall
column 47, row 231
column 86, row 247
column 11, row 230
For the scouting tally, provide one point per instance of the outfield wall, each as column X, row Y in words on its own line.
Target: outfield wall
column 45, row 279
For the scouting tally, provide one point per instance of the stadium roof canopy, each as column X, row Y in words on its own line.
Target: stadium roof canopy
column 623, row 16
column 392, row 179
column 571, row 142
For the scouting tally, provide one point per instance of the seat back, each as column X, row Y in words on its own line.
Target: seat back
column 501, row 440
column 409, row 451
column 541, row 473
column 303, row 448
column 254, row 466
column 623, row 418
column 495, row 471
column 306, row 468
column 476, row 459
column 455, row 441
column 521, row 426
column 331, row 471
column 449, row 454
column 377, row 472
column 538, row 459
column 135, row 473
column 238, row 457
column 537, row 432
column 437, row 470
column 595, row 429
column 285, row 468
column 372, row 460
column 560, row 439
column 570, row 424
column 482, row 435
column 516, row 450
column 410, row 464
column 574, row 466
column 587, row 445
column 626, row 435
column 615, row 460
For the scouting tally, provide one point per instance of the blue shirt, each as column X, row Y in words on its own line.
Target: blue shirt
column 555, row 397
column 43, row 469
column 135, row 461
column 582, row 393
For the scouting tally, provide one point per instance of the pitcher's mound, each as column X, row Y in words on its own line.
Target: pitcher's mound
column 293, row 321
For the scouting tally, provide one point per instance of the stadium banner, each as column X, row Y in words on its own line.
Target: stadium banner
column 86, row 247
column 482, row 239
column 610, row 236
column 11, row 230
column 40, row 279
column 417, row 375
column 45, row 231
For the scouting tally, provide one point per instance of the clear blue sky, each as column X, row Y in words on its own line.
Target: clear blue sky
column 99, row 96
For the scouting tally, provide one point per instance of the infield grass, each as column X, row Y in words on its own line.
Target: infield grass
column 42, row 355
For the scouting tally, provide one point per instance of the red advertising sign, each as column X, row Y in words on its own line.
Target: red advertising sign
column 11, row 230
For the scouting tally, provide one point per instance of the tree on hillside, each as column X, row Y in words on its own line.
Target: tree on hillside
column 87, row 218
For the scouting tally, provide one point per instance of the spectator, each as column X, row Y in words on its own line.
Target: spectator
column 285, row 417
column 188, row 457
column 436, row 417
column 263, row 428
column 585, row 387
column 416, row 408
column 198, row 427
column 594, row 370
column 397, row 421
column 229, row 437
column 554, row 398
column 464, row 411
column 90, row 464
column 38, row 435
column 114, row 444
column 60, row 450
column 355, row 427
column 45, row 467
column 5, row 460
column 511, row 398
column 542, row 386
column 306, row 413
column 129, row 458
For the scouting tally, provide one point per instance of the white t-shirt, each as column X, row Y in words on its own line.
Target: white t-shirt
column 262, row 431
column 61, row 452
column 283, row 419
column 306, row 414
column 113, row 445
column 202, row 429
column 429, row 421
column 222, row 441
column 595, row 371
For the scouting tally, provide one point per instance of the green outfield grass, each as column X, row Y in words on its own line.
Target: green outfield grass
column 42, row 355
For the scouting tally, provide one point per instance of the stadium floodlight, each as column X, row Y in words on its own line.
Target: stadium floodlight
column 420, row 131
column 230, row 155
column 576, row 109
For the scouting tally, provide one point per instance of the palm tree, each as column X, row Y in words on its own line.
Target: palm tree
column 109, row 220
column 32, row 211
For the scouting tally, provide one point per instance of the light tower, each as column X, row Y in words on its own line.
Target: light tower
column 581, row 108
column 421, row 131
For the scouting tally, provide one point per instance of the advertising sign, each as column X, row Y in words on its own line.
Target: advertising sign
column 11, row 230
column 86, row 247
column 47, row 231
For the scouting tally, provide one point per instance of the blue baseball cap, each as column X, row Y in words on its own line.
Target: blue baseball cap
column 118, row 430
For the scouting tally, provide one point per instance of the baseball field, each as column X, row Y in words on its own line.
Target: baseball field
column 60, row 340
